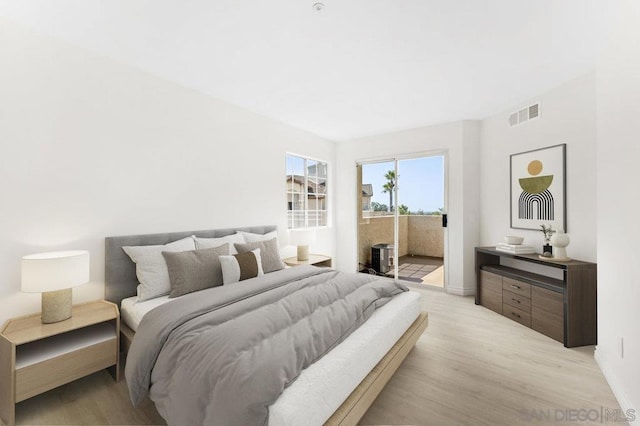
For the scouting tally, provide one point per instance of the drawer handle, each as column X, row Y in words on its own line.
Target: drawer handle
column 517, row 287
column 515, row 300
column 515, row 315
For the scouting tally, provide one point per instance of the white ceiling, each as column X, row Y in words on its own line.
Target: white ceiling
column 359, row 67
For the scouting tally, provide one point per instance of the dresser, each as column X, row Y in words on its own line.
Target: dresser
column 563, row 309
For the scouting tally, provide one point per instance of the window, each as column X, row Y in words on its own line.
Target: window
column 306, row 192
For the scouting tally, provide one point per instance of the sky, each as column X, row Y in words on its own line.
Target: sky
column 420, row 183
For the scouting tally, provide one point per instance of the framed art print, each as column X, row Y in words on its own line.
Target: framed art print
column 538, row 187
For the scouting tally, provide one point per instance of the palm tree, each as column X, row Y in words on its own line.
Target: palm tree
column 391, row 177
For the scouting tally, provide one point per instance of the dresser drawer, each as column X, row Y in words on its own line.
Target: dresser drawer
column 547, row 313
column 547, row 300
column 548, row 324
column 491, row 282
column 491, row 291
column 517, row 300
column 492, row 300
column 517, row 287
column 518, row 315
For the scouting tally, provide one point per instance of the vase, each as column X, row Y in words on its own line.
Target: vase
column 547, row 248
column 560, row 241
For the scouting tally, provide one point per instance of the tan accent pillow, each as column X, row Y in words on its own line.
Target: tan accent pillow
column 241, row 266
column 194, row 270
column 269, row 253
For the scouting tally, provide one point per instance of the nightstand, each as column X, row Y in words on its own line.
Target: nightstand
column 314, row 259
column 37, row 357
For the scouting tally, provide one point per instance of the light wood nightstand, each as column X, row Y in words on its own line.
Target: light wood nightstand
column 37, row 357
column 314, row 259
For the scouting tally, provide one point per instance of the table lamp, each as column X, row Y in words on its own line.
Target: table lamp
column 302, row 238
column 54, row 274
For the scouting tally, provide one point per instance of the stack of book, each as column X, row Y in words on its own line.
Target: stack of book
column 515, row 248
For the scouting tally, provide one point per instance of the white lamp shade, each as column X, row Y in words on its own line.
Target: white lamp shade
column 54, row 271
column 302, row 237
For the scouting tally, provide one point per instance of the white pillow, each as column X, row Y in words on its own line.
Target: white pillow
column 151, row 268
column 241, row 266
column 205, row 243
column 252, row 238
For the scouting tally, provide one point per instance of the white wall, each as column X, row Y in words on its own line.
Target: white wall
column 567, row 115
column 618, row 97
column 91, row 148
column 471, row 194
column 460, row 140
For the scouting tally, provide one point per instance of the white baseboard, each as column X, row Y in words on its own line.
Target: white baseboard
column 618, row 392
column 460, row 291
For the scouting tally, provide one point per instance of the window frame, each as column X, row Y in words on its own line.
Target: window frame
column 290, row 191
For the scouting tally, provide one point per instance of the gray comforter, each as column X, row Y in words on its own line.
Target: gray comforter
column 222, row 356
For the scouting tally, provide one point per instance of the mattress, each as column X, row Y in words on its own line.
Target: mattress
column 131, row 312
column 322, row 387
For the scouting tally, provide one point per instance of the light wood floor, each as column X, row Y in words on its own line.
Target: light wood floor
column 470, row 367
column 474, row 367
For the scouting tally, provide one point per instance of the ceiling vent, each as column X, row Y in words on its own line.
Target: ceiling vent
column 525, row 114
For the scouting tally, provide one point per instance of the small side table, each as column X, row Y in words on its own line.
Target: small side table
column 314, row 259
column 37, row 357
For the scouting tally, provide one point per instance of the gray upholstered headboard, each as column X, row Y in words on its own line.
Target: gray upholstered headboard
column 120, row 271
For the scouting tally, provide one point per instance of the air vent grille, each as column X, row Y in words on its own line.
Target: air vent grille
column 525, row 114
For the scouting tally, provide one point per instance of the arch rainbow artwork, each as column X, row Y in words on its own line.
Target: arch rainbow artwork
column 538, row 187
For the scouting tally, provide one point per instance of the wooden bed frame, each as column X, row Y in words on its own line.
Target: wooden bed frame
column 357, row 404
column 120, row 282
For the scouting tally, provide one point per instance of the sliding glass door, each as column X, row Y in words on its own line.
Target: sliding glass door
column 377, row 223
column 402, row 209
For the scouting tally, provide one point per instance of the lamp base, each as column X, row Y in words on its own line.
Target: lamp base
column 56, row 306
column 560, row 253
column 303, row 252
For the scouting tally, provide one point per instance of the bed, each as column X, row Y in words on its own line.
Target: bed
column 336, row 389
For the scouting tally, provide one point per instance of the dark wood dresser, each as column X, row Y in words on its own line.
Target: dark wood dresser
column 563, row 309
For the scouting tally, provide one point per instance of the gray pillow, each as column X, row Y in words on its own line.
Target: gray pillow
column 194, row 270
column 269, row 253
